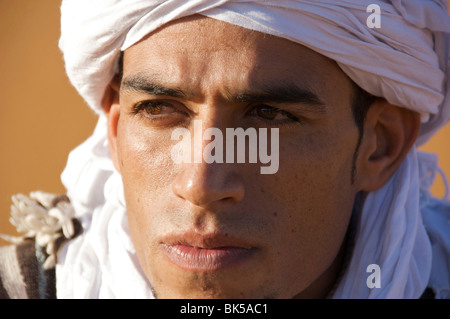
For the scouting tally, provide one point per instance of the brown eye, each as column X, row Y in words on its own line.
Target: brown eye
column 160, row 113
column 273, row 115
column 267, row 112
column 153, row 108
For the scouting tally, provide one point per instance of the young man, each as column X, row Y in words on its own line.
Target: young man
column 337, row 95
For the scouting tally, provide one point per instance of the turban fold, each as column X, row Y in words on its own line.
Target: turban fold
column 406, row 61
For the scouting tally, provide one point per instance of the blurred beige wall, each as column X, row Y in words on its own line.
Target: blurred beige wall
column 42, row 117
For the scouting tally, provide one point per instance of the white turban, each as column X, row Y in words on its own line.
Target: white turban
column 405, row 61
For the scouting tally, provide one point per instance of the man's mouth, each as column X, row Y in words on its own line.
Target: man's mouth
column 206, row 253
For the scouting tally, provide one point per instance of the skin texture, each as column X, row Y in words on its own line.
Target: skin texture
column 294, row 221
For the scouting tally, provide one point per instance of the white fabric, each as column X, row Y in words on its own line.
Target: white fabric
column 436, row 216
column 405, row 61
column 101, row 263
column 391, row 234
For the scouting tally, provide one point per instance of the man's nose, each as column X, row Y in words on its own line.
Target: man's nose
column 209, row 184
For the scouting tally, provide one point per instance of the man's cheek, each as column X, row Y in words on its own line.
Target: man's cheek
column 145, row 158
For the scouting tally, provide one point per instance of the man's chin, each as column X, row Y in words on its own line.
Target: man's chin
column 211, row 285
column 212, row 293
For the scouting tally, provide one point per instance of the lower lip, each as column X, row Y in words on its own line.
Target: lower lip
column 206, row 259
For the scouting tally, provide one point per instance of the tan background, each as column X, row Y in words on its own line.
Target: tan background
column 42, row 117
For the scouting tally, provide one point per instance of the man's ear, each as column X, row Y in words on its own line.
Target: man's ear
column 111, row 107
column 389, row 133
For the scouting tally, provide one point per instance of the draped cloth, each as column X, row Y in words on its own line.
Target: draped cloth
column 400, row 228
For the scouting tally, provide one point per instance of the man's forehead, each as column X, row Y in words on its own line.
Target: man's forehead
column 186, row 56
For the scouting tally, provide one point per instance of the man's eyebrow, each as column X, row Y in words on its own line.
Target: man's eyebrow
column 280, row 93
column 284, row 93
column 150, row 86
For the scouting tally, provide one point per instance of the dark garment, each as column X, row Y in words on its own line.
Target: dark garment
column 22, row 275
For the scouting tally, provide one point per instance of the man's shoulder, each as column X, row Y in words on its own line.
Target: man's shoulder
column 22, row 275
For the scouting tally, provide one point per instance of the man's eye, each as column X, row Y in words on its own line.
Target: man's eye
column 266, row 112
column 272, row 113
column 154, row 108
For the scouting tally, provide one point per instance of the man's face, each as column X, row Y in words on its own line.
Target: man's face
column 225, row 229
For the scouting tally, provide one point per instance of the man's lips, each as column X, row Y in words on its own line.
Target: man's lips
column 206, row 253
